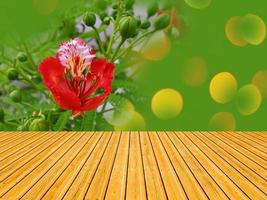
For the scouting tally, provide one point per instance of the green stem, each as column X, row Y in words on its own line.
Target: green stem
column 104, row 107
column 28, row 70
column 29, row 105
column 99, row 40
column 116, row 25
column 108, row 110
column 10, row 123
column 118, row 48
column 29, row 56
column 134, row 43
column 24, row 76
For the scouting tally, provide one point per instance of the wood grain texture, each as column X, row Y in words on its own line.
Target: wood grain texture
column 133, row 165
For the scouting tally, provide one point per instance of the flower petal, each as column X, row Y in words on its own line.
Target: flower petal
column 54, row 78
column 104, row 72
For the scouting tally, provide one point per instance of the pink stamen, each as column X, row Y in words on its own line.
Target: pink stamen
column 75, row 55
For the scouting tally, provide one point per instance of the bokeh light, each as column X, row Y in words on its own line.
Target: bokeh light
column 233, row 31
column 122, row 114
column 248, row 99
column 167, row 103
column 156, row 47
column 137, row 123
column 223, row 87
column 222, row 121
column 198, row 4
column 195, row 71
column 253, row 29
column 260, row 81
column 45, row 7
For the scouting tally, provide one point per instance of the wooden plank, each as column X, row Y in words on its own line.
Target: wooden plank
column 7, row 135
column 98, row 186
column 202, row 173
column 262, row 134
column 227, row 185
column 257, row 135
column 14, row 138
column 191, row 181
column 236, row 154
column 243, row 150
column 16, row 149
column 258, row 181
column 65, row 180
column 48, row 169
column 67, row 165
column 117, row 184
column 246, row 145
column 133, row 165
column 251, row 141
column 172, row 182
column 20, row 142
column 136, row 187
column 9, row 180
column 14, row 162
column 82, row 181
column 154, row 183
column 241, row 181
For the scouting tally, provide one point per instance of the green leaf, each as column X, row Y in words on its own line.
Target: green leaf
column 62, row 121
column 88, row 122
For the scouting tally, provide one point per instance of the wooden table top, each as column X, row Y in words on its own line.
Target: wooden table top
column 133, row 165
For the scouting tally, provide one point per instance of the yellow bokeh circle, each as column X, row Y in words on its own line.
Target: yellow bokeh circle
column 156, row 47
column 222, row 121
column 260, row 81
column 253, row 29
column 233, row 31
column 137, row 123
column 248, row 99
column 198, row 4
column 223, row 87
column 243, row 30
column 167, row 103
column 195, row 71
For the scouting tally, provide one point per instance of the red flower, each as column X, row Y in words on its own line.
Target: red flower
column 77, row 80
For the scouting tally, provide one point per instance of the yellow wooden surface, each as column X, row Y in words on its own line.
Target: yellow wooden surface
column 133, row 165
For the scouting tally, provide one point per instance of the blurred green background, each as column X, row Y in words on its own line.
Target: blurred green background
column 201, row 35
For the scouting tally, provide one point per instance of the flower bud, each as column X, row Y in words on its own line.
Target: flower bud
column 130, row 13
column 2, row 115
column 39, row 125
column 138, row 21
column 89, row 19
column 115, row 6
column 152, row 9
column 16, row 96
column 107, row 20
column 22, row 57
column 129, row 4
column 103, row 15
column 162, row 21
column 128, row 27
column 145, row 24
column 12, row 74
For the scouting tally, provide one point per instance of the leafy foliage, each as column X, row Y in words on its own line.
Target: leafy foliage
column 23, row 97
